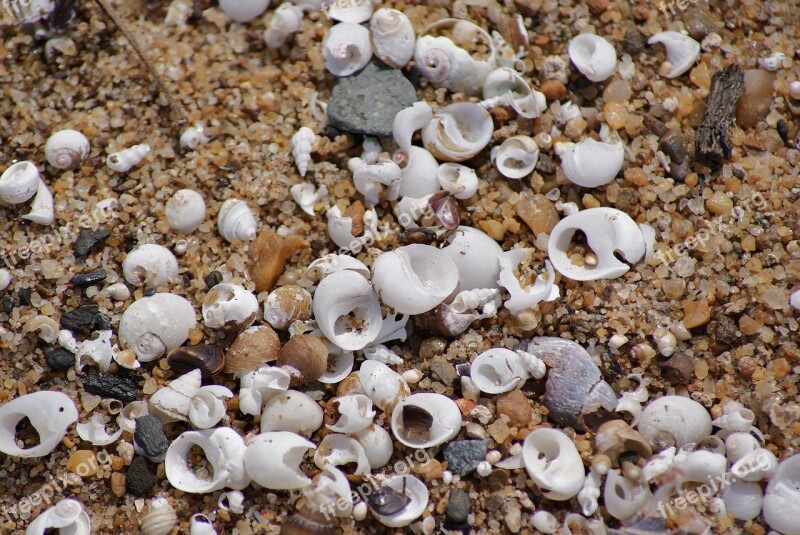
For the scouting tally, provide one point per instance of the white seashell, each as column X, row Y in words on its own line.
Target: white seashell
column 737, row 445
column 498, row 370
column 306, row 196
column 355, row 12
column 302, row 141
column 67, row 516
column 149, row 264
column 154, row 325
column 590, row 492
column 735, row 418
column 346, row 48
column 273, row 460
column 461, row 181
column 259, row 386
column 699, row 466
column 458, row 132
column 593, row 56
column 414, row 278
column 340, row 229
column 381, row 353
column 343, row 294
column 291, row 411
column 409, row 210
column 743, row 499
column 331, row 485
column 95, row 431
column 5, row 278
column 377, row 181
column 126, row 419
column 773, row 62
column 544, row 521
column 340, row 364
column 355, row 413
column 659, row 464
column 201, row 525
column 377, row 444
column 782, row 498
column 554, row 464
column 225, row 451
column 340, row 450
column 516, row 157
column 674, row 420
column 172, row 402
column 608, row 231
column 418, row 495
column 42, row 210
column 194, row 136
column 371, row 149
column 477, row 257
column 624, row 498
column 506, row 87
column 125, row 160
column 445, row 418
column 286, row 21
column 419, row 176
column 591, row 163
column 445, row 64
column 521, row 299
column 243, row 10
column 757, row 465
column 229, row 306
column 232, row 501
column 19, row 182
column 235, row 221
column 794, row 300
column 66, row 149
column 46, row 328
column 384, row 386
column 206, row 408
column 185, row 211
column 160, row 518
column 409, row 120
column 393, row 37
column 49, row 412
column 470, row 302
column 682, row 51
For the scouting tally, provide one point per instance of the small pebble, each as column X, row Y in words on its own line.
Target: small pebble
column 515, row 405
column 111, row 386
column 84, row 280
column 678, row 368
column 458, row 506
column 783, row 129
column 443, row 370
column 213, row 278
column 84, row 319
column 89, row 240
column 141, row 477
column 82, row 463
column 58, row 359
column 149, row 438
column 463, row 456
column 673, row 144
column 634, row 41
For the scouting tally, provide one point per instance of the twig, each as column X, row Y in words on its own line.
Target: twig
column 712, row 140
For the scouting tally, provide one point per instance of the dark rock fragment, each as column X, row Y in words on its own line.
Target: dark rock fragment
column 712, row 140
column 119, row 387
column 457, row 507
column 84, row 280
column 59, row 359
column 149, row 438
column 463, row 456
column 140, row 477
column 89, row 240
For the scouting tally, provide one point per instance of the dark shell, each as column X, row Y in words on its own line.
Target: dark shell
column 417, row 423
column 445, row 208
column 210, row 359
column 444, row 322
column 387, row 501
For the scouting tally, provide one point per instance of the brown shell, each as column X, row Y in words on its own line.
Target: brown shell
column 287, row 304
column 309, row 520
column 268, row 255
column 616, row 437
column 251, row 349
column 307, row 354
column 444, row 322
column 208, row 358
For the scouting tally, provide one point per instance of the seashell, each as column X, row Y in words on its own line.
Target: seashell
column 328, row 487
column 516, row 157
column 98, row 350
column 185, row 211
column 346, row 48
column 590, row 491
column 782, row 498
column 126, row 420
column 393, row 37
column 460, row 180
column 445, row 207
column 544, row 521
column 506, row 87
column 409, row 120
column 593, row 56
column 425, row 420
column 65, row 149
column 5, row 278
column 273, row 460
column 498, row 370
column 384, row 386
column 230, row 307
column 67, row 516
column 340, row 296
column 355, row 413
column 243, row 10
column 675, row 421
column 553, row 463
column 206, row 408
column 209, row 359
column 172, row 402
column 159, row 519
column 735, row 418
column 260, row 385
column 743, row 499
column 615, row 437
column 49, row 413
column 118, row 291
column 418, row 177
column 19, row 182
column 355, row 12
column 125, row 160
column 477, row 257
column 194, row 136
column 458, row 132
column 222, row 447
column 306, row 196
column 415, row 492
column 521, row 299
column 306, row 357
column 757, row 465
column 46, row 328
column 608, row 232
column 698, row 466
column 340, row 364
column 42, row 211
column 286, row 21
column 339, row 450
column 232, row 501
column 150, row 264
column 287, row 304
column 252, row 348
column 302, row 141
column 235, row 221
column 591, row 163
column 377, row 444
column 414, row 278
column 624, row 498
column 377, row 181
column 340, row 229
column 268, row 255
column 292, row 411
column 311, row 519
column 445, row 64
column 409, row 210
column 737, row 445
column 95, row 431
column 682, row 51
column 201, row 525
column 154, row 325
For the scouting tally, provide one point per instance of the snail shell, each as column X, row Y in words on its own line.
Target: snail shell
column 67, row 516
column 302, row 141
column 516, row 157
column 377, row 444
column 46, row 327
column 624, row 498
column 384, row 386
column 159, row 519
column 222, row 447
column 150, row 264
column 347, row 11
column 291, row 411
column 418, row 494
column 553, row 463
column 674, row 420
column 445, row 64
column 591, row 163
column 498, row 370
column 235, row 221
column 185, row 211
column 287, row 304
column 252, row 348
column 307, row 355
column 593, row 56
column 94, row 431
column 154, row 325
column 42, row 210
column 682, row 51
column 49, row 412
column 418, row 177
column 339, row 296
column 66, row 149
column 616, row 437
column 5, row 278
column 172, row 402
column 505, row 86
column 458, row 132
column 273, row 460
column 355, row 413
column 287, row 20
column 19, row 182
column 123, row 161
column 743, row 499
column 340, row 450
column 461, row 181
column 425, row 420
column 201, row 525
column 393, row 37
column 477, row 257
column 409, row 120
column 230, row 307
column 243, row 10
column 782, row 498
column 346, row 48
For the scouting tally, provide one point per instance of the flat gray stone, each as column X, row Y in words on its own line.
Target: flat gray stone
column 367, row 102
column 463, row 456
column 457, row 507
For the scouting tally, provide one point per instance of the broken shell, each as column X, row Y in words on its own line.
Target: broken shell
column 554, row 464
column 376, row 182
column 251, row 349
column 591, row 163
column 19, row 182
column 409, row 120
column 477, row 257
column 67, row 516
column 782, row 498
column 458, row 132
column 340, row 364
column 757, row 465
column 94, row 431
column 185, row 211
column 42, row 211
column 516, row 157
column 506, row 87
column 201, row 525
column 445, row 64
column 154, row 325
column 287, row 304
column 417, row 494
column 414, row 278
column 273, row 460
column 126, row 420
column 593, row 56
column 172, row 402
column 292, row 411
column 206, row 408
column 243, row 10
column 377, row 444
column 682, row 51
column 615, row 437
column 123, row 161
column 459, row 180
column 230, row 307
column 346, row 48
column 698, row 466
column 46, row 328
column 232, row 501
column 418, row 177
column 340, row 450
column 49, row 413
column 544, row 521
column 235, row 221
column 384, row 386
column 306, row 196
column 355, row 413
column 306, row 355
column 425, row 420
column 342, row 299
column 209, row 359
column 497, row 370
column 150, row 264
column 259, row 385
column 735, row 418
column 737, row 445
column 608, row 232
column 194, row 136
column 743, row 499
column 302, row 141
column 5, row 278
column 286, row 20
column 521, row 299
column 66, row 149
column 623, row 497
column 222, row 447
column 355, row 12
column 393, row 37
column 674, row 421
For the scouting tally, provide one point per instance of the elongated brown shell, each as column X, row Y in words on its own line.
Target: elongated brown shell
column 208, row 358
column 251, row 349
column 307, row 354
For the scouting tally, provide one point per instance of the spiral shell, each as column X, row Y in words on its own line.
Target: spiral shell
column 302, row 142
column 154, row 325
column 287, row 304
column 287, row 19
column 458, row 132
column 346, row 48
column 445, row 64
column 516, row 157
column 674, row 421
column 150, row 264
column 123, row 161
column 243, row 10
column 306, row 356
column 554, row 464
column 67, row 516
column 19, row 182
column 393, row 37
column 230, row 307
column 66, row 149
column 251, row 349
column 235, row 221
column 185, row 211
column 593, row 56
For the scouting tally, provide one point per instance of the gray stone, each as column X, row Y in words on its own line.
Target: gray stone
column 442, row 369
column 149, row 438
column 457, row 507
column 367, row 102
column 141, row 477
column 463, row 456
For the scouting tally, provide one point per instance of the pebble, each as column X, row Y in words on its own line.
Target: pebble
column 678, row 368
column 553, row 90
column 367, row 102
column 463, row 456
column 458, row 507
column 149, row 437
column 82, row 463
column 213, row 278
column 84, row 319
column 696, row 313
column 754, row 105
column 89, row 240
column 118, row 484
column 58, row 359
column 634, row 41
column 673, row 144
column 112, row 386
column 141, row 477
column 84, row 280
column 444, row 370
column 516, row 407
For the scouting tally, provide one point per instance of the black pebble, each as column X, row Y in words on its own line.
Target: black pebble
column 59, row 359
column 213, row 278
column 634, row 41
column 783, row 129
column 141, row 477
column 85, row 319
column 24, row 297
column 457, row 507
column 106, row 385
column 673, row 144
column 8, row 304
column 150, row 437
column 89, row 240
column 84, row 280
